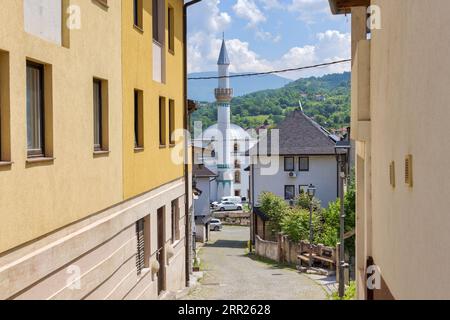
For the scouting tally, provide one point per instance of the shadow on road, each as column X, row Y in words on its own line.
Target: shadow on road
column 237, row 244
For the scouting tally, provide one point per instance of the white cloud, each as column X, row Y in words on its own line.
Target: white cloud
column 271, row 4
column 205, row 38
column 267, row 36
column 309, row 10
column 247, row 9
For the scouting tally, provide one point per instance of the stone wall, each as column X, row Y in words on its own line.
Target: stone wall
column 233, row 218
column 286, row 251
column 267, row 249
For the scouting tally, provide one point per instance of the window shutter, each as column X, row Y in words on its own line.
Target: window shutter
column 140, row 246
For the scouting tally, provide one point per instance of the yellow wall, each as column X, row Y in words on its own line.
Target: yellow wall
column 35, row 200
column 152, row 167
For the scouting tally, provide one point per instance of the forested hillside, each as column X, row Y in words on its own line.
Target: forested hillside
column 325, row 99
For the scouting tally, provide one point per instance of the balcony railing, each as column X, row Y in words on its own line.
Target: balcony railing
column 223, row 94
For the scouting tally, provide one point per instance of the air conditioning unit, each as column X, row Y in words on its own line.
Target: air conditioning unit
column 292, row 174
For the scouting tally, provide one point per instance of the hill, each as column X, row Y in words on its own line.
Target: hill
column 325, row 99
column 203, row 90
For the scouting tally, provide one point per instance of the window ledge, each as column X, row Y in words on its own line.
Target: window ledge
column 172, row 145
column 144, row 272
column 5, row 163
column 139, row 149
column 40, row 160
column 103, row 3
column 102, row 153
column 138, row 28
column 162, row 146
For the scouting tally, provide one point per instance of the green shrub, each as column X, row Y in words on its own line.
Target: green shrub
column 303, row 202
column 275, row 208
column 295, row 224
column 350, row 292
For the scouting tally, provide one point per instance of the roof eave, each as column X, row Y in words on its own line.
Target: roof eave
column 345, row 6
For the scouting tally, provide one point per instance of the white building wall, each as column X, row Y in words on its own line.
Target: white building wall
column 43, row 18
column 322, row 174
column 201, row 204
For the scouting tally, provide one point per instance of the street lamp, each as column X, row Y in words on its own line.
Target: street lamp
column 341, row 149
column 311, row 194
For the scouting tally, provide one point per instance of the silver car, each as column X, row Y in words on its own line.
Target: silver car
column 228, row 206
column 215, row 225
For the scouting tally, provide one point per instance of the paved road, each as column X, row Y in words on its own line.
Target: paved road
column 230, row 274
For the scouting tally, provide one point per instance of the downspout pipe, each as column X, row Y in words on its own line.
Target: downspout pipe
column 188, row 228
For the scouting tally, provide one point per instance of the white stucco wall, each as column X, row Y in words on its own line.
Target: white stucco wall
column 201, row 205
column 42, row 18
column 322, row 174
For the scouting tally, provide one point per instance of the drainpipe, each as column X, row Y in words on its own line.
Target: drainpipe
column 188, row 228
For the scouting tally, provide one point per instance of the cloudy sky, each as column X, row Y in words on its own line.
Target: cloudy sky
column 265, row 35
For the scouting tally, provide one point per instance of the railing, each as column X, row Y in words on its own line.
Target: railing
column 223, row 94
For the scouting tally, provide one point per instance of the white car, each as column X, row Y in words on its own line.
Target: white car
column 215, row 225
column 234, row 199
column 228, row 206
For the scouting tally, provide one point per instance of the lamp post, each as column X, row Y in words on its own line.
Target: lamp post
column 311, row 194
column 341, row 150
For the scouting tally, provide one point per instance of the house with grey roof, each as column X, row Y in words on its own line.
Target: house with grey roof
column 304, row 154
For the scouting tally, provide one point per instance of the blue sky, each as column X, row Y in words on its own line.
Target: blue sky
column 264, row 35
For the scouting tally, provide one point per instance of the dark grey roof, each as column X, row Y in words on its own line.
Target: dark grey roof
column 199, row 170
column 223, row 57
column 300, row 135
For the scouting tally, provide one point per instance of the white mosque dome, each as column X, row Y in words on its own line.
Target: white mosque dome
column 235, row 133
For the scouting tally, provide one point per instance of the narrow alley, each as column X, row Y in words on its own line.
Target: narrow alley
column 231, row 274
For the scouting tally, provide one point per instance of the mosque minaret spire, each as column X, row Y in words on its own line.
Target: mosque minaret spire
column 224, row 95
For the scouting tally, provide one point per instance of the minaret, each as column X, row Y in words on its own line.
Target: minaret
column 223, row 98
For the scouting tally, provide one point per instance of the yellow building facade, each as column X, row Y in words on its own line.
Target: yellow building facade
column 85, row 212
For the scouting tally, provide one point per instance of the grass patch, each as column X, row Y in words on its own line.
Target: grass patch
column 350, row 293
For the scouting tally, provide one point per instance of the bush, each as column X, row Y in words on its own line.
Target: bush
column 303, row 202
column 295, row 224
column 275, row 208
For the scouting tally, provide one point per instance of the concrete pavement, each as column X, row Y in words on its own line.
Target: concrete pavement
column 231, row 274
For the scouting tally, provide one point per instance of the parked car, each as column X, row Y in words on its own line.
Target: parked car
column 228, row 206
column 215, row 225
column 234, row 199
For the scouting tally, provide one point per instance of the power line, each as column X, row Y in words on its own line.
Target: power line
column 272, row 72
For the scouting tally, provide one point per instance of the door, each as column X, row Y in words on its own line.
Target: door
column 161, row 251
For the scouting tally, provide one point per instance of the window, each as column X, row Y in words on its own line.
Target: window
column 236, row 147
column 137, row 13
column 237, row 177
column 162, row 121
column 171, row 24
column 35, row 110
column 143, row 244
column 175, row 221
column 138, row 120
column 289, row 192
column 303, row 189
column 97, row 115
column 237, row 193
column 237, row 164
column 303, row 164
column 5, row 147
column 289, row 164
column 100, row 115
column 171, row 122
column 158, row 21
